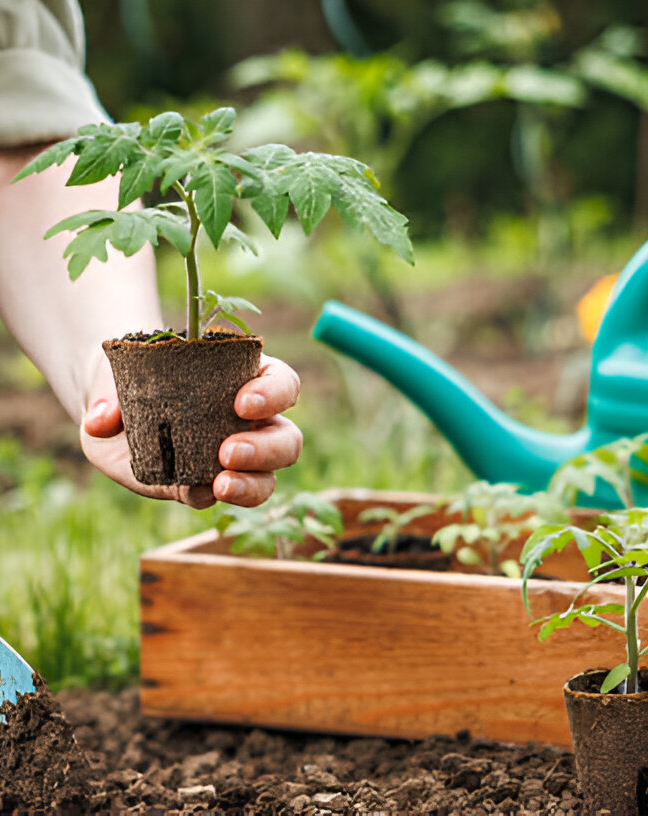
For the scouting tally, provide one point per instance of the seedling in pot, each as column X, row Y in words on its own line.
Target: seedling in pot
column 190, row 161
column 495, row 515
column 277, row 531
column 617, row 550
column 394, row 524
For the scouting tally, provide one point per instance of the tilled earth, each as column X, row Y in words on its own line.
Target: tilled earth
column 122, row 763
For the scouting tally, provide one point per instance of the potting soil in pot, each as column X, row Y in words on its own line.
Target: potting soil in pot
column 145, row 766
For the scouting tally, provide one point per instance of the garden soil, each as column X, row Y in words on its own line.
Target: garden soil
column 92, row 752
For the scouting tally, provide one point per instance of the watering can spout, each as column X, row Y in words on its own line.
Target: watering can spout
column 495, row 446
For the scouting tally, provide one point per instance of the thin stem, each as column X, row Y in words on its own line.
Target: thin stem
column 191, row 266
column 632, row 642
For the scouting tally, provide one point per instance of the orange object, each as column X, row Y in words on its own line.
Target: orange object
column 591, row 307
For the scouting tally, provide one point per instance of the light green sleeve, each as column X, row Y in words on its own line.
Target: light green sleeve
column 44, row 93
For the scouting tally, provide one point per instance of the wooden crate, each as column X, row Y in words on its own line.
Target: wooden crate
column 357, row 650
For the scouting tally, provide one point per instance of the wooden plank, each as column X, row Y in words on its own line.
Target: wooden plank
column 358, row 649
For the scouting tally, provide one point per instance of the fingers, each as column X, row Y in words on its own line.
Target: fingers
column 112, row 457
column 276, row 444
column 272, row 392
column 243, row 489
column 103, row 417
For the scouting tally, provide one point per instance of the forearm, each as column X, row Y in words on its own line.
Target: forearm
column 58, row 323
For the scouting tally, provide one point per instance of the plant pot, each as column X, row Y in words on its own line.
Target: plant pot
column 359, row 649
column 177, row 401
column 610, row 736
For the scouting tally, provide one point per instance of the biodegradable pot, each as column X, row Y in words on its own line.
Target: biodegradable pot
column 177, row 401
column 610, row 736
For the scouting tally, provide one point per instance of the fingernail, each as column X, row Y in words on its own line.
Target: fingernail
column 231, row 487
column 97, row 409
column 239, row 455
column 253, row 403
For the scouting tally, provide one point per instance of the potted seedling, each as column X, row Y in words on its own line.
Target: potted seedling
column 607, row 707
column 177, row 388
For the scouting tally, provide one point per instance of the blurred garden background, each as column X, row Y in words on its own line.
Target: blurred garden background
column 512, row 133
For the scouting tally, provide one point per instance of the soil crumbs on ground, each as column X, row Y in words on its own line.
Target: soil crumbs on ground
column 138, row 765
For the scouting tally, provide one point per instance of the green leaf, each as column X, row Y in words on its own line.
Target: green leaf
column 446, row 538
column 104, row 154
column 88, row 244
column 360, row 207
column 235, row 235
column 176, row 165
column 54, row 155
column 310, row 183
column 214, row 187
column 614, row 677
column 217, row 125
column 273, row 211
column 73, row 222
column 511, row 568
column 138, row 178
column 173, row 227
column 468, row 556
column 269, row 157
column 164, row 129
column 139, row 175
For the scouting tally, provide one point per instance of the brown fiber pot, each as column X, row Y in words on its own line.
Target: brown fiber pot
column 177, row 401
column 610, row 735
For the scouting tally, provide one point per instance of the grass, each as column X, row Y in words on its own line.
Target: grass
column 69, row 551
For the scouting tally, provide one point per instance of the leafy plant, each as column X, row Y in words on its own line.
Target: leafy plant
column 617, row 550
column 611, row 463
column 189, row 159
column 495, row 515
column 277, row 530
column 394, row 524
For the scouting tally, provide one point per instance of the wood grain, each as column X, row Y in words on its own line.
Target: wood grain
column 361, row 650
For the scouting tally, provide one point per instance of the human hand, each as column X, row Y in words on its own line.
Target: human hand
column 249, row 458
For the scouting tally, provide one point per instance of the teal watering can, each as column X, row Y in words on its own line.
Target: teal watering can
column 496, row 447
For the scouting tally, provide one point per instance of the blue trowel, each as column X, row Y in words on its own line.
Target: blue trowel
column 15, row 675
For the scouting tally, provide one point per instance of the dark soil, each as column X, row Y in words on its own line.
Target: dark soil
column 138, row 765
column 408, row 552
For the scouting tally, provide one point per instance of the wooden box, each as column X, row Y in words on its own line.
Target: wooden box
column 359, row 650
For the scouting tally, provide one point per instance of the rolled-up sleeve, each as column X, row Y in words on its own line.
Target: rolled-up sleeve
column 44, row 92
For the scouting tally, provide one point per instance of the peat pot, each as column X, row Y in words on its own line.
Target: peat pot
column 177, row 401
column 358, row 649
column 610, row 735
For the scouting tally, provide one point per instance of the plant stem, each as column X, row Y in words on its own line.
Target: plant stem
column 632, row 644
column 191, row 266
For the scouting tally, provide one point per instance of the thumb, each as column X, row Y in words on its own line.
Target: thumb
column 103, row 415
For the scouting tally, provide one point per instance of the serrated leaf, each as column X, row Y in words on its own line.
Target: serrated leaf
column 614, row 677
column 73, row 222
column 273, row 211
column 138, row 178
column 103, row 156
column 163, row 129
column 362, row 207
column 219, row 122
column 130, row 231
column 235, row 235
column 174, row 228
column 269, row 157
column 310, row 185
column 176, row 166
column 54, row 155
column 214, row 187
column 88, row 244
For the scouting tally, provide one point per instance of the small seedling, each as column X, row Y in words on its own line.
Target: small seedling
column 494, row 515
column 188, row 160
column 617, row 550
column 278, row 530
column 394, row 524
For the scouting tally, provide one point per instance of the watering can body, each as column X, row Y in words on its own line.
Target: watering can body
column 495, row 446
